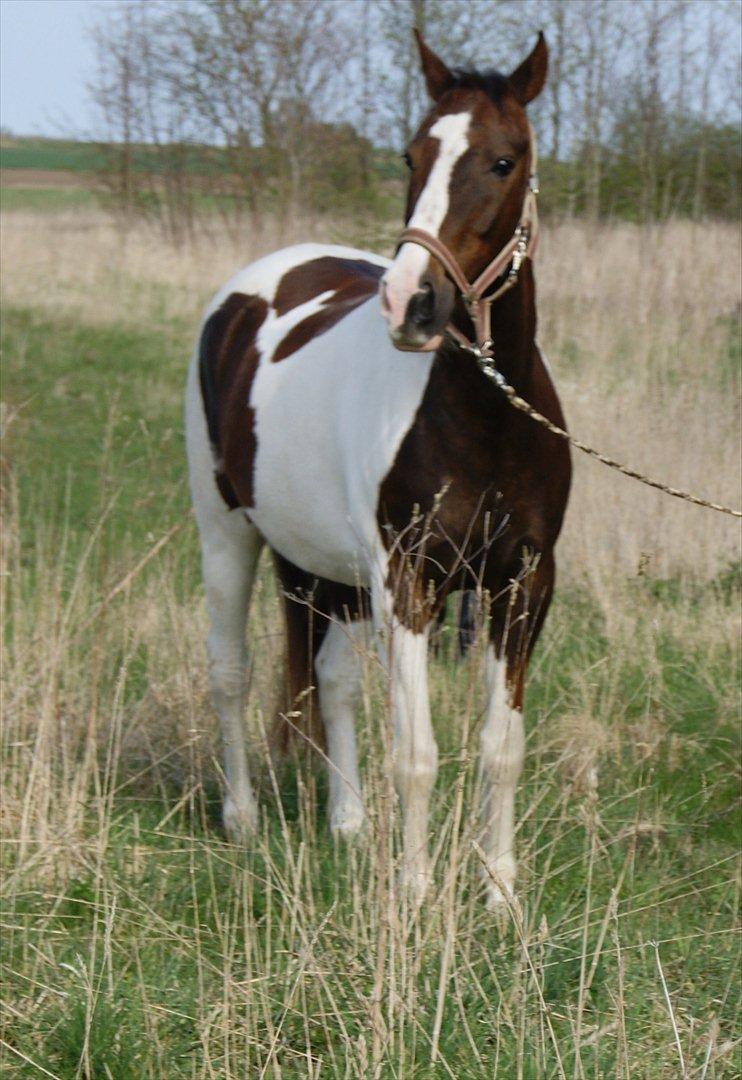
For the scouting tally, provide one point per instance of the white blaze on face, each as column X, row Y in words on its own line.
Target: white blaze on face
column 402, row 279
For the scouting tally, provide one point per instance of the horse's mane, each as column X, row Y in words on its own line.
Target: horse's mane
column 492, row 83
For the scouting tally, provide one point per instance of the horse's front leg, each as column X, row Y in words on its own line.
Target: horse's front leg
column 404, row 653
column 502, row 752
column 516, row 622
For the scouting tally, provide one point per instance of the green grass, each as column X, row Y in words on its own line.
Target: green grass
column 67, row 155
column 101, row 418
column 137, row 943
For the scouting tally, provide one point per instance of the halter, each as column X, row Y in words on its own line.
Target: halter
column 522, row 245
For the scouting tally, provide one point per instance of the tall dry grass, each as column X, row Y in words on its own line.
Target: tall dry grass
column 138, row 937
column 298, row 958
column 639, row 325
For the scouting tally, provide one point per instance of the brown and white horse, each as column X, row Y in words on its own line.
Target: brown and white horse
column 378, row 476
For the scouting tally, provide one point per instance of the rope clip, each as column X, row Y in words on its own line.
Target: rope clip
column 485, row 356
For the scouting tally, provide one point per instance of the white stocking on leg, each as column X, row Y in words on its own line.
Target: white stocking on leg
column 229, row 571
column 405, row 654
column 502, row 750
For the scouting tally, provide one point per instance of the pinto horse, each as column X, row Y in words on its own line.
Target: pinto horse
column 336, row 413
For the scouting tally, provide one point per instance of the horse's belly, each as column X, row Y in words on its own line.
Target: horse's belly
column 329, row 420
column 302, row 506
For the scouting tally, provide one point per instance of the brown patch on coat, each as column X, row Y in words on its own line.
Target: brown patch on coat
column 351, row 281
column 485, row 485
column 329, row 273
column 228, row 360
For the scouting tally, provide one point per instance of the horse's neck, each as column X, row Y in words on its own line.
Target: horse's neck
column 514, row 330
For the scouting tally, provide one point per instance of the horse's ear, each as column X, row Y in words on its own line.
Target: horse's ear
column 527, row 81
column 438, row 78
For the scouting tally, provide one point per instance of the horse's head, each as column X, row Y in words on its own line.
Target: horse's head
column 469, row 162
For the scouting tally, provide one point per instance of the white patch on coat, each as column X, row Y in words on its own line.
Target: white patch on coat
column 402, row 280
column 329, row 420
column 276, row 327
column 502, row 752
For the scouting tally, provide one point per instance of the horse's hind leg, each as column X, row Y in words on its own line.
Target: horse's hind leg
column 517, row 617
column 230, row 557
column 326, row 630
column 230, row 546
column 339, row 668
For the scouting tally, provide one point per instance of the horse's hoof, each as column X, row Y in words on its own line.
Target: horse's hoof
column 347, row 821
column 502, row 900
column 240, row 822
column 415, row 884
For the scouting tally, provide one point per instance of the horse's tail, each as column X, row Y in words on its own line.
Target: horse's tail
column 298, row 717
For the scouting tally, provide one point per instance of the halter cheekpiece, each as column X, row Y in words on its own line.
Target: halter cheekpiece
column 522, row 245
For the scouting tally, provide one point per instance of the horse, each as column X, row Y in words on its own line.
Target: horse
column 339, row 410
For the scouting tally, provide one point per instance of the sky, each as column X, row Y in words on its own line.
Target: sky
column 46, row 59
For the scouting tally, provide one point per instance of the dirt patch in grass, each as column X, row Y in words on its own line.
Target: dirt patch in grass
column 42, row 178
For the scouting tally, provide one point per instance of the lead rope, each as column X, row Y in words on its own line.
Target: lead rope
column 487, row 365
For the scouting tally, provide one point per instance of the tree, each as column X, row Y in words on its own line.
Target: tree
column 292, row 103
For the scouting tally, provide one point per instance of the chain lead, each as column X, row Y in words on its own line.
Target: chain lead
column 486, row 362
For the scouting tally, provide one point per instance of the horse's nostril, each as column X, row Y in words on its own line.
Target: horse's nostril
column 422, row 305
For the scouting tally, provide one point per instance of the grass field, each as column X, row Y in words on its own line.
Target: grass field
column 136, row 942
column 31, row 152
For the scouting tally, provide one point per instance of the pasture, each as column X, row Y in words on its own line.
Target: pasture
column 135, row 941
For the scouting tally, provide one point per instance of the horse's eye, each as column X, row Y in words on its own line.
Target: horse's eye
column 407, row 159
column 503, row 166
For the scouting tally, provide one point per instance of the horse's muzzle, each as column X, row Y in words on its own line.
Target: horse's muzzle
column 416, row 317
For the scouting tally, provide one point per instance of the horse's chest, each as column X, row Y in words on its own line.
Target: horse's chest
column 329, row 421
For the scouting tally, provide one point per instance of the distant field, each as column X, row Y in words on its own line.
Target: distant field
column 45, row 198
column 46, row 174
column 49, row 154
column 136, row 941
column 69, row 155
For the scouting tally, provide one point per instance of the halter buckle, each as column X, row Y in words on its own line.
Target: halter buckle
column 521, row 251
column 518, row 257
